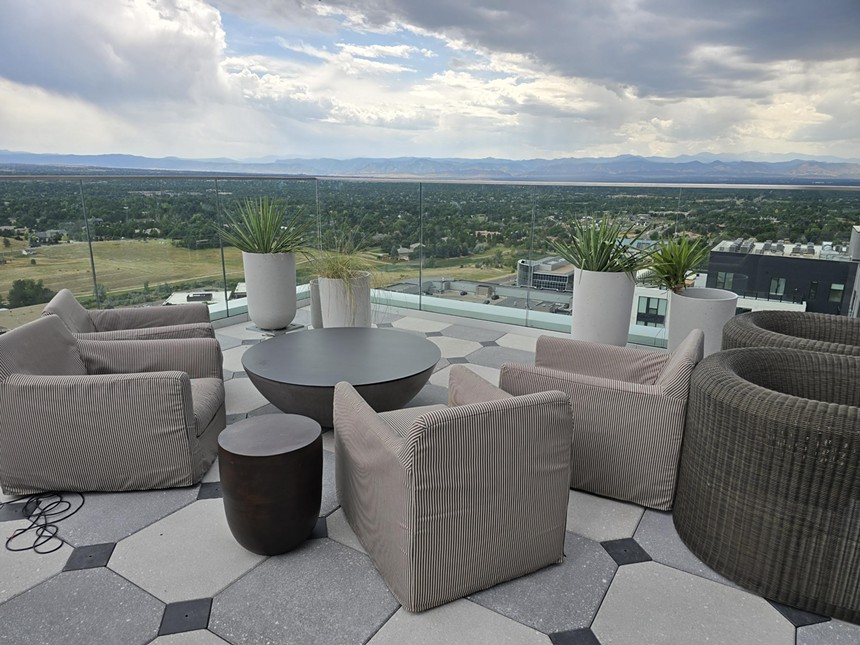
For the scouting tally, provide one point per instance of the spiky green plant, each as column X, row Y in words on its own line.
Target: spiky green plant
column 598, row 246
column 344, row 259
column 676, row 259
column 262, row 226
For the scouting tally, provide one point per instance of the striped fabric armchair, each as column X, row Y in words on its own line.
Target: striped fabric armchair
column 95, row 415
column 451, row 500
column 131, row 323
column 629, row 408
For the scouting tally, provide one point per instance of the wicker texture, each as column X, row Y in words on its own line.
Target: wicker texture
column 794, row 330
column 628, row 409
column 131, row 323
column 464, row 498
column 769, row 483
column 106, row 415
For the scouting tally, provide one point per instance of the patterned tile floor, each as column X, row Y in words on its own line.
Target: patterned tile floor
column 162, row 567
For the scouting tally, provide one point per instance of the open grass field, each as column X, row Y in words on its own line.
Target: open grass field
column 124, row 265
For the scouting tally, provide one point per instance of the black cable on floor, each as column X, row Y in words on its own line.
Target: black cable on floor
column 45, row 511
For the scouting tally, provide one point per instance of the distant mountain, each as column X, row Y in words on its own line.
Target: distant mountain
column 625, row 168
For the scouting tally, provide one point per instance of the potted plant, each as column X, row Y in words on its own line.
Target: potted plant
column 603, row 282
column 269, row 241
column 343, row 284
column 672, row 263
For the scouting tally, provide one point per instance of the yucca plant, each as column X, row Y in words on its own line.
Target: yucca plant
column 675, row 260
column 598, row 246
column 261, row 226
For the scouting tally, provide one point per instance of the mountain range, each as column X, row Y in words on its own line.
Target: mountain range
column 625, row 168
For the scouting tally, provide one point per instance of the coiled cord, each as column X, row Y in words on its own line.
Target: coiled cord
column 45, row 511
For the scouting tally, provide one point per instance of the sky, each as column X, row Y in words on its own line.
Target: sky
column 513, row 79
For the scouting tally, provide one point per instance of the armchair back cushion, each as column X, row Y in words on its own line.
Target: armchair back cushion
column 41, row 347
column 594, row 359
column 674, row 378
column 66, row 307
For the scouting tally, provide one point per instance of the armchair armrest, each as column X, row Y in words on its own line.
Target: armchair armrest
column 198, row 357
column 138, row 317
column 371, row 479
column 465, row 386
column 90, row 433
column 188, row 330
column 607, row 361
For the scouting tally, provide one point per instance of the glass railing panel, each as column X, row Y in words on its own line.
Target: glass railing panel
column 380, row 223
column 43, row 246
column 473, row 237
column 297, row 197
column 153, row 241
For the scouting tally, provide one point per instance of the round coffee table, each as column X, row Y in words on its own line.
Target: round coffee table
column 271, row 480
column 297, row 372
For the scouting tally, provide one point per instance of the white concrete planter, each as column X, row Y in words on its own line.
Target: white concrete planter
column 700, row 308
column 601, row 307
column 270, row 280
column 345, row 304
column 316, row 310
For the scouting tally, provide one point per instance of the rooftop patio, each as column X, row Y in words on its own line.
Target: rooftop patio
column 162, row 567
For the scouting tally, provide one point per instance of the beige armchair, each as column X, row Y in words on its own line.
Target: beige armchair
column 94, row 415
column 131, row 323
column 629, row 407
column 451, row 500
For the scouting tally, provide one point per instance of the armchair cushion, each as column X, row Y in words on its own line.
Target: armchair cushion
column 66, row 307
column 44, row 346
column 467, row 497
column 593, row 359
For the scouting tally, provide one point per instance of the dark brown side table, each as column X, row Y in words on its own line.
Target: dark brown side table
column 271, row 480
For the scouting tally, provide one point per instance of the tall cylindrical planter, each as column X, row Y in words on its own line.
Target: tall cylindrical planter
column 602, row 301
column 700, row 308
column 345, row 303
column 270, row 281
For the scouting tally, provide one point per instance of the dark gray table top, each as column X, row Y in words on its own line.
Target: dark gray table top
column 359, row 355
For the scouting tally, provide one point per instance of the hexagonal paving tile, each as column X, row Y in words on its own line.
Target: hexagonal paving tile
column 491, row 374
column 518, row 341
column 197, row 637
column 653, row 603
column 454, row 346
column 601, row 518
column 419, row 324
column 322, row 592
column 190, row 554
column 458, row 622
column 233, row 358
column 24, row 569
column 242, row 396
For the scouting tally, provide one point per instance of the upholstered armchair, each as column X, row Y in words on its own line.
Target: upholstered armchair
column 449, row 500
column 794, row 330
column 94, row 415
column 131, row 323
column 628, row 412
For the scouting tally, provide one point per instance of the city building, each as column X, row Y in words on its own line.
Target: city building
column 823, row 276
column 553, row 272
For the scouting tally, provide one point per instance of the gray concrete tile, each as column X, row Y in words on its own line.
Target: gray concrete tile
column 213, row 474
column 20, row 570
column 834, row 632
column 491, row 374
column 476, row 334
column 227, row 342
column 233, row 358
column 322, row 592
column 241, row 396
column 430, row 394
column 110, row 517
column 519, row 341
column 657, row 535
column 601, row 518
column 559, row 597
column 496, row 356
column 458, row 622
column 419, row 324
column 190, row 554
column 453, row 347
column 197, row 637
column 81, row 608
column 653, row 603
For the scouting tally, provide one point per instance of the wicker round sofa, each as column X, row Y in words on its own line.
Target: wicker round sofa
column 794, row 330
column 769, row 483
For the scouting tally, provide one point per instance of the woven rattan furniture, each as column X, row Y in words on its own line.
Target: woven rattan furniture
column 189, row 320
column 451, row 500
column 628, row 412
column 794, row 330
column 769, row 483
